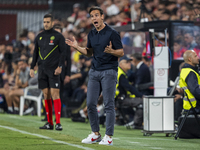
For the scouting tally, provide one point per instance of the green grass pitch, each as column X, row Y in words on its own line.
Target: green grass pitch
column 22, row 133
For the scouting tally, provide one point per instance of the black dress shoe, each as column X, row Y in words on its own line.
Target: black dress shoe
column 47, row 126
column 58, row 127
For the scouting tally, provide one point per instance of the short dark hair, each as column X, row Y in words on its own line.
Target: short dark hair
column 57, row 26
column 48, row 16
column 96, row 8
column 137, row 56
column 146, row 58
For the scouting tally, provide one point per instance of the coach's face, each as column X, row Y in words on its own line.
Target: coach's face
column 48, row 23
column 97, row 18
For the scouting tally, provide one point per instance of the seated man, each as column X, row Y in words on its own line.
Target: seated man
column 142, row 74
column 190, row 80
column 124, row 89
column 21, row 81
column 12, row 93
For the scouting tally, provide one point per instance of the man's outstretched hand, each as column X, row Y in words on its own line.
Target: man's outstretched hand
column 73, row 43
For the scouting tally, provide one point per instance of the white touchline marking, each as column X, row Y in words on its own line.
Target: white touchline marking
column 45, row 137
column 135, row 142
column 155, row 147
column 144, row 145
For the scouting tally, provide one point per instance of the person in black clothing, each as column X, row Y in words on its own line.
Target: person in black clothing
column 49, row 53
column 104, row 44
column 66, row 70
column 142, row 74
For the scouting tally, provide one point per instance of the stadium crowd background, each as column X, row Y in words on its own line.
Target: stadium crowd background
column 78, row 24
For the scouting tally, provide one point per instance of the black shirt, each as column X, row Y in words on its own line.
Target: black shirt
column 49, row 51
column 98, row 40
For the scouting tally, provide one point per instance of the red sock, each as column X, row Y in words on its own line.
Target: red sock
column 57, row 108
column 48, row 107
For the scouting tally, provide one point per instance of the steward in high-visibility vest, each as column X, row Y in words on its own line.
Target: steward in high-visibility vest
column 123, row 87
column 131, row 97
column 190, row 80
column 183, row 84
column 120, row 72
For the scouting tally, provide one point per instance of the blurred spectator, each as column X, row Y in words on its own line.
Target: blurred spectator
column 197, row 47
column 14, row 84
column 189, row 40
column 111, row 9
column 2, row 51
column 31, row 37
column 21, row 82
column 123, row 18
column 178, row 48
column 165, row 15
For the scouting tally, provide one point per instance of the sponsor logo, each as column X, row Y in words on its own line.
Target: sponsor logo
column 161, row 72
column 56, row 84
column 40, row 38
column 109, row 142
column 93, row 139
column 51, row 40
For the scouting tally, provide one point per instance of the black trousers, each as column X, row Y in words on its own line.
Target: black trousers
column 135, row 102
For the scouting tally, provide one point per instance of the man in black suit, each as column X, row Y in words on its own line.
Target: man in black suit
column 142, row 74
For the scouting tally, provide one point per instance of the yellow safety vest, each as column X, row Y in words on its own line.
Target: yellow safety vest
column 120, row 72
column 183, row 85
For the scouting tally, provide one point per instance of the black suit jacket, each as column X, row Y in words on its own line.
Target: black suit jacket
column 141, row 76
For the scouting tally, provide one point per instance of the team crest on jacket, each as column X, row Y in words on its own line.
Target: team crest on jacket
column 51, row 40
